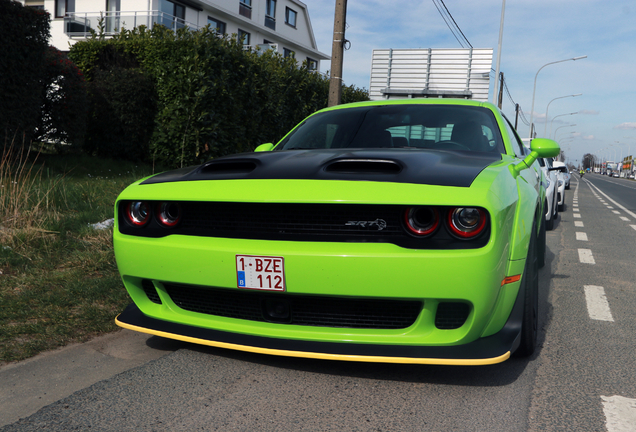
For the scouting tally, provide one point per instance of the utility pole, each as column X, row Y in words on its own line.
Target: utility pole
column 337, row 51
column 501, row 86
column 516, row 115
column 501, row 25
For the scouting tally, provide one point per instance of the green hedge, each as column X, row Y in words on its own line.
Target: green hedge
column 42, row 93
column 24, row 34
column 212, row 97
column 62, row 120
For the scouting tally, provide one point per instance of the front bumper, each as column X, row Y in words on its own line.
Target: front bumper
column 484, row 351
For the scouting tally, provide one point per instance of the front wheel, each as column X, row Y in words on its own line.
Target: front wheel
column 549, row 223
column 541, row 244
column 530, row 287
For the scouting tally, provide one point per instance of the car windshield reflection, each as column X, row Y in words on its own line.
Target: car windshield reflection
column 439, row 127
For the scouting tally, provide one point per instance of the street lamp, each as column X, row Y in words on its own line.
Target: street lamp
column 565, row 136
column 535, row 85
column 560, row 115
column 561, row 127
column 548, row 107
column 628, row 151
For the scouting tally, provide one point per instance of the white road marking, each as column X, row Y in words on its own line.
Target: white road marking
column 632, row 214
column 620, row 413
column 616, row 212
column 581, row 236
column 597, row 305
column 576, row 215
column 585, row 256
column 575, row 209
column 610, row 207
column 580, row 224
column 633, row 226
column 624, row 218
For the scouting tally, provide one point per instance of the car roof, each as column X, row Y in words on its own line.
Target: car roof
column 416, row 101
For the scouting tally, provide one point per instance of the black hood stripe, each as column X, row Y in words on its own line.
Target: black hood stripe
column 431, row 167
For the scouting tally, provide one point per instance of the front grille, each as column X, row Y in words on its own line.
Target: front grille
column 451, row 315
column 280, row 220
column 151, row 292
column 319, row 311
column 361, row 223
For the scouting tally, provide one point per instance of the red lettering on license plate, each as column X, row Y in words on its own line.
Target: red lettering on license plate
column 260, row 272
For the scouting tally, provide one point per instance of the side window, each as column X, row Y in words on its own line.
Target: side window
column 517, row 144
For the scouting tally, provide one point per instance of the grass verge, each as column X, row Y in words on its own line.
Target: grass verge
column 58, row 277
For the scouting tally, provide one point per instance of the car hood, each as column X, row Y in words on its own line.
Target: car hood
column 431, row 167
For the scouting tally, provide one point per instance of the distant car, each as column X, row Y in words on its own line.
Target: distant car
column 551, row 196
column 563, row 169
column 615, row 175
column 394, row 231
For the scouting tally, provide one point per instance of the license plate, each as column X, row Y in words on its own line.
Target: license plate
column 260, row 272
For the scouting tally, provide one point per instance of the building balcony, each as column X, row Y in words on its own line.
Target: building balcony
column 81, row 24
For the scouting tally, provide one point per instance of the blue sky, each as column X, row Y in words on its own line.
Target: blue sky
column 535, row 33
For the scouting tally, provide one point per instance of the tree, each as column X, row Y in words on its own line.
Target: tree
column 589, row 160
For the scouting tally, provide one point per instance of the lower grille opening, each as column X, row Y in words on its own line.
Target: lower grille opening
column 150, row 290
column 296, row 309
column 451, row 315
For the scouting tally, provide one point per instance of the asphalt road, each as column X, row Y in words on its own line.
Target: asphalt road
column 580, row 379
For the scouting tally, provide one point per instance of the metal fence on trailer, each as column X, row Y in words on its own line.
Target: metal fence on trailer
column 407, row 73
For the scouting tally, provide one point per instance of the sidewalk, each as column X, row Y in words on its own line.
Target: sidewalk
column 29, row 385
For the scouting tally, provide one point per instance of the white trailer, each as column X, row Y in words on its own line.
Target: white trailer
column 428, row 72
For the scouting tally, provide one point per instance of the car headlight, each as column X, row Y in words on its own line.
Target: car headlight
column 169, row 214
column 138, row 213
column 466, row 222
column 422, row 221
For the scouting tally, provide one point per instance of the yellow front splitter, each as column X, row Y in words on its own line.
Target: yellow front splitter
column 491, row 350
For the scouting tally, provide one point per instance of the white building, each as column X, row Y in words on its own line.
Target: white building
column 282, row 25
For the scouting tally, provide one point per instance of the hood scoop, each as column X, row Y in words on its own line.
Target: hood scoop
column 240, row 166
column 364, row 166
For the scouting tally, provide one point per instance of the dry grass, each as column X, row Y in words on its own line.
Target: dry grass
column 58, row 277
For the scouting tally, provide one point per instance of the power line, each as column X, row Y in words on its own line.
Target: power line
column 453, row 28
column 451, row 17
column 512, row 101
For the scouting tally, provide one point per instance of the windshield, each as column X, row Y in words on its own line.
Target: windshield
column 445, row 127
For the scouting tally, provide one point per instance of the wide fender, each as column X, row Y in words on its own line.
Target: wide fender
column 529, row 206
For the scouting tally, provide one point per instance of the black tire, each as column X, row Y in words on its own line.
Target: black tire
column 562, row 207
column 549, row 224
column 530, row 292
column 541, row 244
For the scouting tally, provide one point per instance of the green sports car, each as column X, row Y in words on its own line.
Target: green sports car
column 401, row 231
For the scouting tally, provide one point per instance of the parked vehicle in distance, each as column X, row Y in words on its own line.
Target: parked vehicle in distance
column 564, row 170
column 394, row 231
column 550, row 184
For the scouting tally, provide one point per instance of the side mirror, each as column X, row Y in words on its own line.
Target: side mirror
column 540, row 148
column 264, row 147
